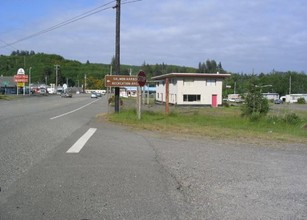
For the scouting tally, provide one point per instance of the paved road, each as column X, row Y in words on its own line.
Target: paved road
column 126, row 174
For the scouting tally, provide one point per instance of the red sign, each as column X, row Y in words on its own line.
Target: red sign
column 141, row 78
column 21, row 78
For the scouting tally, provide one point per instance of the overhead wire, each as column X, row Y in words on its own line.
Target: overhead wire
column 61, row 24
column 7, row 45
column 69, row 21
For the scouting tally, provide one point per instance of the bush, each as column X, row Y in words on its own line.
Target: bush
column 112, row 101
column 273, row 119
column 301, row 101
column 255, row 105
column 225, row 104
column 255, row 116
column 292, row 118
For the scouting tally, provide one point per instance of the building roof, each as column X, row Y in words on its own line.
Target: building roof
column 7, row 81
column 194, row 75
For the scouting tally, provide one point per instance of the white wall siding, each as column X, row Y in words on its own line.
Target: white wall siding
column 187, row 90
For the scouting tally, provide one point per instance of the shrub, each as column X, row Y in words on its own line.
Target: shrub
column 225, row 104
column 112, row 101
column 255, row 116
column 292, row 118
column 255, row 105
column 301, row 101
column 273, row 119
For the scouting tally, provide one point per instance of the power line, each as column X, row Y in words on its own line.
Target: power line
column 7, row 45
column 69, row 21
column 132, row 1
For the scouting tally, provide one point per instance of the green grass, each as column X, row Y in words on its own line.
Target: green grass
column 5, row 97
column 216, row 123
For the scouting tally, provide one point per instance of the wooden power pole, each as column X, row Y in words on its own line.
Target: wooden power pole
column 117, row 53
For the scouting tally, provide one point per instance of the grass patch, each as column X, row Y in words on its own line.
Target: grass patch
column 5, row 97
column 218, row 123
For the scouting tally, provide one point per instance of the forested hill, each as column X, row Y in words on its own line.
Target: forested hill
column 43, row 68
column 43, row 71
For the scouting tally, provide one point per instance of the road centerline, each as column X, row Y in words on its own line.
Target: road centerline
column 77, row 109
column 76, row 148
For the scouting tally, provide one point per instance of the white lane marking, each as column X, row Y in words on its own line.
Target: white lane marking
column 82, row 141
column 58, row 116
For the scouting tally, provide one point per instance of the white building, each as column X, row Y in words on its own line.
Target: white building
column 190, row 88
column 292, row 98
column 271, row 96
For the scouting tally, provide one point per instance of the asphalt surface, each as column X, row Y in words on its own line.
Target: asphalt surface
column 127, row 174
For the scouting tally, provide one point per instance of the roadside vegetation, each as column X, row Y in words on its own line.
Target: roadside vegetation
column 5, row 97
column 223, row 122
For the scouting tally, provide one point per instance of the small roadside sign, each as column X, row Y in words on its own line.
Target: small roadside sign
column 141, row 78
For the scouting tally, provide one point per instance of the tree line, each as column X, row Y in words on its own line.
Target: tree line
column 74, row 72
column 279, row 82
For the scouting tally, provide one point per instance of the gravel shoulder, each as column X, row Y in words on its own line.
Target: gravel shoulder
column 222, row 179
column 234, row 179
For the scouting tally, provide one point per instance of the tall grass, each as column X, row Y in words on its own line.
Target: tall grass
column 217, row 122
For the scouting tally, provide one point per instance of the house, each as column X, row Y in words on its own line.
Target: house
column 292, row 98
column 132, row 90
column 190, row 88
column 7, row 85
column 271, row 96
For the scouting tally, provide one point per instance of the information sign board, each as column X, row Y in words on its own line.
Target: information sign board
column 120, row 80
column 21, row 78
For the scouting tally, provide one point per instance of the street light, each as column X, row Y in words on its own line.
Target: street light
column 30, row 68
column 262, row 87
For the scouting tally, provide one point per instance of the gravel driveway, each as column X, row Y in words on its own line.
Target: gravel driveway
column 232, row 180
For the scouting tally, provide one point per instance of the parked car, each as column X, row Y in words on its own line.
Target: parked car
column 278, row 101
column 98, row 94
column 43, row 91
column 93, row 95
column 66, row 95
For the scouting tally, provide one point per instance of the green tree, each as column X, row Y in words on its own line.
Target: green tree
column 255, row 105
column 210, row 66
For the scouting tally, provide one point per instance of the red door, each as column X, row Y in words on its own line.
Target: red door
column 214, row 101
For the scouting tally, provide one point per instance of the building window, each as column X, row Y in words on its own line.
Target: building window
column 191, row 98
column 211, row 82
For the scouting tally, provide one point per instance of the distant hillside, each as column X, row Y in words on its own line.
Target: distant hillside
column 42, row 67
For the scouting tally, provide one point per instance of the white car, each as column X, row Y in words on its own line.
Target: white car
column 93, row 95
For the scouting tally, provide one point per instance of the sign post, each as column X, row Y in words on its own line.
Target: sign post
column 21, row 78
column 127, row 80
column 141, row 82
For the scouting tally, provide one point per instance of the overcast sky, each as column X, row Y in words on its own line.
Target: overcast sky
column 244, row 35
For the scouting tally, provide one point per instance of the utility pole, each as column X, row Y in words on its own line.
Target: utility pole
column 56, row 77
column 30, row 68
column 84, row 88
column 117, row 52
column 290, row 85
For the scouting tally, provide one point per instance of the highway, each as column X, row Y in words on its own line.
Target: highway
column 58, row 160
column 111, row 177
